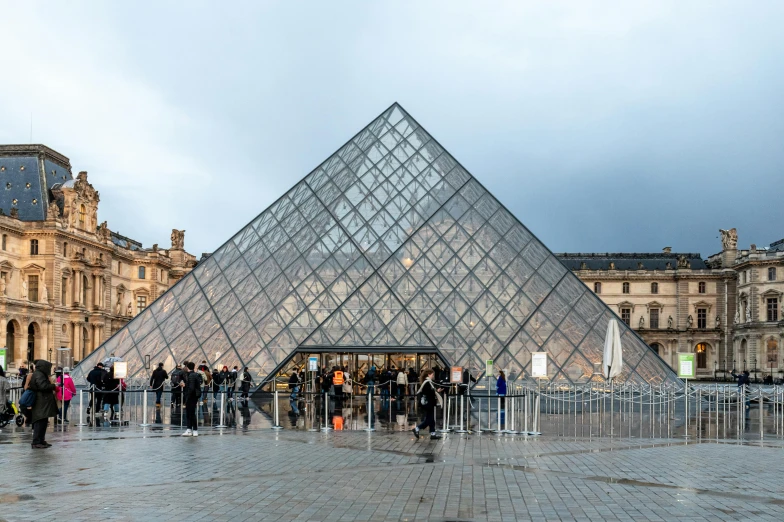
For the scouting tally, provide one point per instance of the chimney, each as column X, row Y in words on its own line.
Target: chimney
column 667, row 250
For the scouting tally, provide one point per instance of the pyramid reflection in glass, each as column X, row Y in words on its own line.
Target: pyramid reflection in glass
column 388, row 243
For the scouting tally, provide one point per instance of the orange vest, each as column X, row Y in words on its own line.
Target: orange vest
column 337, row 379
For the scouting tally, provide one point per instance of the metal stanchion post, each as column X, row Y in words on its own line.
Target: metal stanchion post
column 144, row 423
column 326, row 413
column 370, row 411
column 277, row 425
column 537, row 417
column 222, row 420
column 462, row 409
column 81, row 409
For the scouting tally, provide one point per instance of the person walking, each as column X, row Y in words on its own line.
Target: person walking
column 65, row 392
column 95, row 379
column 177, row 376
column 429, row 398
column 191, row 393
column 157, row 381
column 42, row 383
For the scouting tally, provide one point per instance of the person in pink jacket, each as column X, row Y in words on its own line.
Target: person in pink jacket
column 65, row 392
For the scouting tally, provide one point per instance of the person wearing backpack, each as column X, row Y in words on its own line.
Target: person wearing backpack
column 45, row 406
column 294, row 387
column 191, row 393
column 176, row 378
column 428, row 397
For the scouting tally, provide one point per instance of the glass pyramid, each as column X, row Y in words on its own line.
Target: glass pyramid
column 388, row 243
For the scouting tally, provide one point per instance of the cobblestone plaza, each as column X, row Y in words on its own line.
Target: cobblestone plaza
column 260, row 474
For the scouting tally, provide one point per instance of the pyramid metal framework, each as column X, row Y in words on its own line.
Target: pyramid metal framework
column 388, row 243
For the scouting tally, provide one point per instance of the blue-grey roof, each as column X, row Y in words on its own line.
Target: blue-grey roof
column 22, row 184
column 777, row 246
column 125, row 242
column 631, row 261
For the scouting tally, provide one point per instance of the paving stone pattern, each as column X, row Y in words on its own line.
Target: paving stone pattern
column 293, row 475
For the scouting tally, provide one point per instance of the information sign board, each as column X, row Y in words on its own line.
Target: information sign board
column 539, row 364
column 686, row 366
column 456, row 375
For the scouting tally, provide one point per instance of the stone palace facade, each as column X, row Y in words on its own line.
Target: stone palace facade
column 68, row 282
column 725, row 309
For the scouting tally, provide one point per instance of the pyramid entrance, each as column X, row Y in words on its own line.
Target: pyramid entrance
column 389, row 244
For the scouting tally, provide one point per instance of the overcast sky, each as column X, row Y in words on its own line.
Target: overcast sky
column 603, row 126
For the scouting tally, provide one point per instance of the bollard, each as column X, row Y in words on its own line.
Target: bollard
column 370, row 412
column 222, row 420
column 81, row 409
column 144, row 423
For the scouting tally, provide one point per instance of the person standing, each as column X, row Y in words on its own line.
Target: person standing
column 402, row 383
column 42, row 383
column 225, row 378
column 95, row 378
column 157, row 381
column 246, row 383
column 65, row 392
column 111, row 390
column 429, row 398
column 177, row 376
column 191, row 394
column 500, row 390
column 4, row 387
column 294, row 387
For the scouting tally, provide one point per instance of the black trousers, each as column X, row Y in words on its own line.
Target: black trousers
column 39, row 431
column 430, row 420
column 192, row 422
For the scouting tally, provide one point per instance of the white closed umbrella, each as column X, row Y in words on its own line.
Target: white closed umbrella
column 613, row 353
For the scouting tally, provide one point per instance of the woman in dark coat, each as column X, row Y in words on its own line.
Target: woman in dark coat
column 428, row 391
column 111, row 397
column 45, row 405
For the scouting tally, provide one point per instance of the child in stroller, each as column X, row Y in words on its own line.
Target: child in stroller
column 11, row 414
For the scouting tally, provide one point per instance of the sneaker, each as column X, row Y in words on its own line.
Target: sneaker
column 195, row 433
column 435, row 436
column 416, row 432
column 39, row 446
column 188, row 433
column 46, row 444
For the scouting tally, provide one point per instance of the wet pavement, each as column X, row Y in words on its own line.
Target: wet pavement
column 251, row 472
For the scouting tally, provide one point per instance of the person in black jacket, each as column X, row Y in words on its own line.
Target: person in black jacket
column 294, row 387
column 42, row 383
column 191, row 394
column 95, row 378
column 429, row 394
column 157, row 380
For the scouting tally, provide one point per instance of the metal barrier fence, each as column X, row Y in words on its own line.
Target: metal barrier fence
column 699, row 411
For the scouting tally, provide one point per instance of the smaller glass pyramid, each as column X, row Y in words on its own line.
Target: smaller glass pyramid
column 388, row 243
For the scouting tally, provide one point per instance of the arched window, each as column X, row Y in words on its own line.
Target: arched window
column 654, row 288
column 597, row 288
column 771, row 274
column 32, row 331
column 656, row 347
column 82, row 213
column 85, row 342
column 65, row 249
column 33, row 247
column 142, row 272
column 10, row 332
column 773, row 353
column 702, row 355
column 625, row 288
column 701, row 287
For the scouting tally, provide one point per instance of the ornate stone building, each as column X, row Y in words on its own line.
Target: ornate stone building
column 726, row 309
column 67, row 282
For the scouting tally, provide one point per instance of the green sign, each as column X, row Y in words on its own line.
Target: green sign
column 2, row 359
column 686, row 366
column 489, row 367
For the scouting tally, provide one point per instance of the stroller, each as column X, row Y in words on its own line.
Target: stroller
column 11, row 414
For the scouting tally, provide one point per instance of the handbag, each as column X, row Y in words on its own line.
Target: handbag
column 27, row 400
